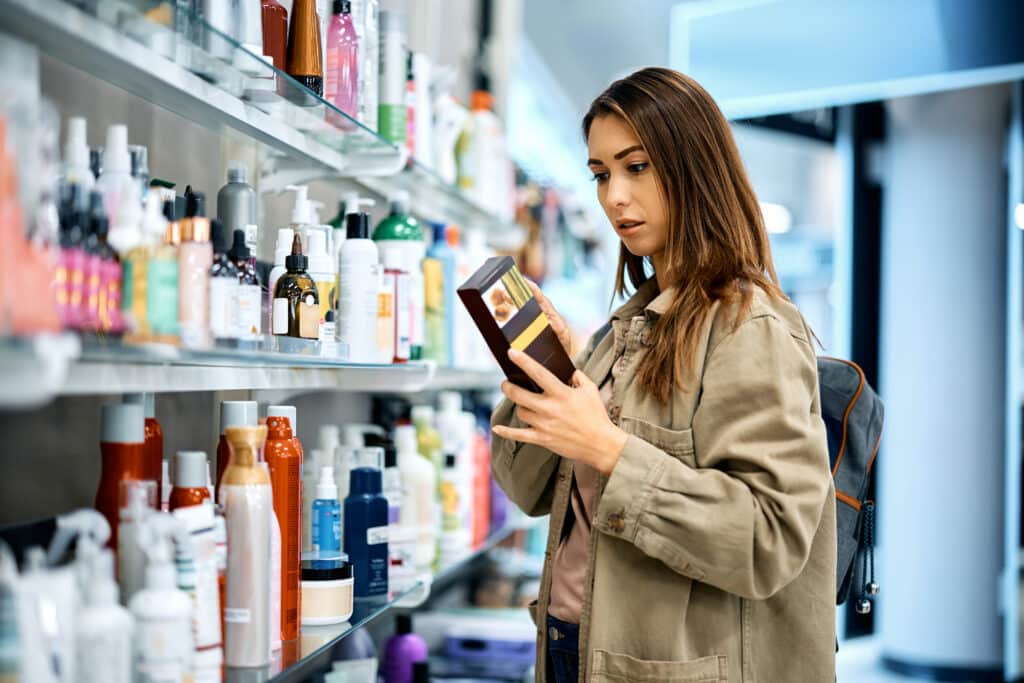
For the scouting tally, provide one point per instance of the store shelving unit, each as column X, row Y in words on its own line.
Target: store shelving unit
column 178, row 68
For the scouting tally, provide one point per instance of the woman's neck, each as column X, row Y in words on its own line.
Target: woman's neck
column 660, row 263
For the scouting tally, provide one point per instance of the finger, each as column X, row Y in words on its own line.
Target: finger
column 545, row 304
column 520, row 435
column 580, row 380
column 547, row 382
column 530, row 417
column 520, row 396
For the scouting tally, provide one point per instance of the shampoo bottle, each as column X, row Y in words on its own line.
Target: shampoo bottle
column 439, row 290
column 103, row 628
column 274, row 589
column 366, row 527
column 419, row 484
column 285, row 464
column 323, row 271
column 403, row 650
column 341, row 72
column 247, row 508
column 402, row 233
column 391, row 108
column 305, row 54
column 366, row 16
column 162, row 281
column 154, row 435
column 359, row 278
column 397, row 282
column 285, row 237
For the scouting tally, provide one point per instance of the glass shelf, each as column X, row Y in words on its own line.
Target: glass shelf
column 455, row 379
column 171, row 58
column 298, row 661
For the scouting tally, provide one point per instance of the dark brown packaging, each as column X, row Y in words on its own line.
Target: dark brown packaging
column 508, row 316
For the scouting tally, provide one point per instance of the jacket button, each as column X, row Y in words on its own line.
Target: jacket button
column 614, row 413
column 553, row 633
column 616, row 522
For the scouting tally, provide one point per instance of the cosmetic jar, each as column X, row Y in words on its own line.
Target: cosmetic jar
column 327, row 589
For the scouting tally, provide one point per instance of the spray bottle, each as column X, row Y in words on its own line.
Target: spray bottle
column 104, row 629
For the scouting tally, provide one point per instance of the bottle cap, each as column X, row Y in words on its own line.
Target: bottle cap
column 140, row 160
column 302, row 212
column 326, row 489
column 115, row 155
column 123, row 423
column 96, row 161
column 440, row 232
column 319, row 260
column 285, row 411
column 423, row 415
column 279, row 427
column 76, row 149
column 147, row 401
column 330, row 438
column 238, row 172
column 481, row 100
column 405, row 439
column 238, row 414
column 295, row 261
column 370, row 457
column 421, row 672
column 195, row 203
column 136, row 498
column 239, row 249
column 358, row 226
column 285, row 237
column 399, row 203
column 449, row 461
column 454, row 234
column 218, row 235
column 190, row 469
column 342, row 7
column 403, row 624
column 365, row 481
column 168, row 209
column 384, row 444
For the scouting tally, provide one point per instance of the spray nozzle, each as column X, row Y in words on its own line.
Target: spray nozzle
column 326, row 489
column 351, row 202
column 88, row 526
column 156, row 537
column 400, row 203
column 302, row 212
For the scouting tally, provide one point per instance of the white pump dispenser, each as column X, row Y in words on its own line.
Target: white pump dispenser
column 302, row 211
column 76, row 159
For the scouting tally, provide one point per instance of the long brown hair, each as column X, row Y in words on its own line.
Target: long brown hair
column 717, row 244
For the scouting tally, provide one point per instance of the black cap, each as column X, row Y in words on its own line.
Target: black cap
column 358, row 226
column 421, row 672
column 99, row 224
column 239, row 249
column 342, row 7
column 195, row 203
column 169, row 209
column 217, row 235
column 390, row 452
column 296, row 261
column 403, row 624
column 449, row 460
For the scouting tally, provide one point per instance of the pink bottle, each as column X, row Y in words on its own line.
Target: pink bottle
column 341, row 73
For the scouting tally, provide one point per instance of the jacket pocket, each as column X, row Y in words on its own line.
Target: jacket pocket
column 619, row 668
column 676, row 442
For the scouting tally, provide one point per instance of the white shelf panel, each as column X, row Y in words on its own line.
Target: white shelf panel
column 451, row 379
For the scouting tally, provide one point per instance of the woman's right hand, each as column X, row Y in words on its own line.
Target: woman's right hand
column 558, row 324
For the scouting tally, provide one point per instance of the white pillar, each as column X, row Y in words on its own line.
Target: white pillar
column 942, row 379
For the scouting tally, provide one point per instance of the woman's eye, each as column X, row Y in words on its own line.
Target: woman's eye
column 600, row 177
column 638, row 167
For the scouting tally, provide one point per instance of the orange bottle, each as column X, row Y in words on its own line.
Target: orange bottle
column 232, row 414
column 189, row 480
column 122, row 450
column 154, row 441
column 293, row 421
column 285, row 464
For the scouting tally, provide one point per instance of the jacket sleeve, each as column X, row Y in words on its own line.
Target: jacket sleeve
column 745, row 520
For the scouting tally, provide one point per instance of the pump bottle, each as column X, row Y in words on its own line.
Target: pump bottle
column 419, row 484
column 103, row 628
column 359, row 277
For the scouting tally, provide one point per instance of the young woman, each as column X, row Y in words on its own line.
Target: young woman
column 686, row 469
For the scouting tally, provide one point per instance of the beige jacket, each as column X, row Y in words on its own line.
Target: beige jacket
column 714, row 547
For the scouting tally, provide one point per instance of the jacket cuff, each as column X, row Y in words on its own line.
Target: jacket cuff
column 629, row 487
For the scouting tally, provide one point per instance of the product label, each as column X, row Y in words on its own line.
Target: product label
column 403, row 316
column 103, row 655
column 223, row 297
column 328, row 339
column 308, row 312
column 236, row 615
column 357, row 312
column 449, row 506
column 164, row 649
column 325, row 532
column 416, row 303
column 385, row 325
column 325, row 292
column 392, row 122
column 247, row 312
column 280, row 317
column 162, row 296
column 376, row 535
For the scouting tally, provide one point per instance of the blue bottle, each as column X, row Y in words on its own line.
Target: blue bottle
column 366, row 526
column 441, row 251
column 325, row 525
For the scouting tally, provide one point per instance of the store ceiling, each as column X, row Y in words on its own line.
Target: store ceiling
column 589, row 43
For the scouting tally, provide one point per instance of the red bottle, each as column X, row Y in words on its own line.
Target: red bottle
column 291, row 414
column 154, row 441
column 189, row 480
column 123, row 455
column 285, row 464
column 232, row 414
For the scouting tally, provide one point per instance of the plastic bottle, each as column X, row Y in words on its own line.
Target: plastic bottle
column 163, row 282
column 439, row 290
column 248, row 327
column 296, row 311
column 189, row 480
column 223, row 287
column 116, row 183
column 135, row 269
column 398, row 283
column 402, row 233
column 137, row 501
column 464, row 336
column 195, row 259
column 76, row 159
column 419, row 486
column 275, row 586
column 326, row 522
column 359, row 277
column 123, row 453
column 324, row 273
column 232, row 414
column 474, row 349
column 285, row 464
column 154, row 436
column 305, row 53
column 365, row 14
column 479, row 454
column 247, row 504
column 139, row 155
column 456, row 438
column 103, row 273
column 292, row 414
column 71, row 263
column 450, row 118
column 423, row 108
column 366, row 527
column 391, row 107
column 428, row 439
column 103, row 628
column 275, row 32
column 163, row 616
column 285, row 237
column 341, row 71
column 236, row 202
column 385, row 319
column 403, row 650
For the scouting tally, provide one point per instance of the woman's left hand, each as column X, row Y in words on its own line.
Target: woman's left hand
column 569, row 421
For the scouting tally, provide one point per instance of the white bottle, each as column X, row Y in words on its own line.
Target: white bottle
column 120, row 191
column 322, row 269
column 359, row 285
column 76, row 159
column 455, row 440
column 104, row 629
column 285, row 236
column 163, row 617
column 419, row 484
column 366, row 20
column 140, row 499
column 275, row 577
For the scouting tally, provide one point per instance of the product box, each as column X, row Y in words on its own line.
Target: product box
column 508, row 316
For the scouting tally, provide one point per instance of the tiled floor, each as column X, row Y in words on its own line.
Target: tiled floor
column 857, row 662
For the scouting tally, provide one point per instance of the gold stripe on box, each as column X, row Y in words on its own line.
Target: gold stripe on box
column 527, row 336
column 516, row 286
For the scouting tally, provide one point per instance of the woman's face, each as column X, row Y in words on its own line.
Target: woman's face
column 627, row 187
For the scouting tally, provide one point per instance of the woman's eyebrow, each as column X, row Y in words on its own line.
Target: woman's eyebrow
column 628, row 150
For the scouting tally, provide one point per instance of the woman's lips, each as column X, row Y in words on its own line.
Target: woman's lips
column 631, row 229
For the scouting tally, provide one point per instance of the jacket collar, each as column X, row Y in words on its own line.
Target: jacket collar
column 647, row 298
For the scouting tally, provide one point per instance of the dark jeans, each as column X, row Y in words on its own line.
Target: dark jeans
column 563, row 650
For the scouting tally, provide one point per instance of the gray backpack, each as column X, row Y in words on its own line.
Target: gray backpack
column 853, row 415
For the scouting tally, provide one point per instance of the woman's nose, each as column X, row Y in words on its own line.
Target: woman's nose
column 618, row 192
